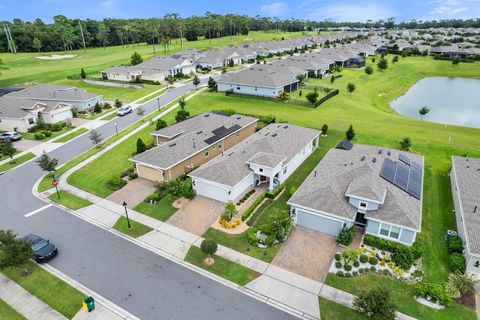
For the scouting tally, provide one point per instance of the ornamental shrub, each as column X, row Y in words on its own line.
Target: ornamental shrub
column 455, row 244
column 340, row 274
column 56, row 127
column 345, row 237
column 403, row 258
column 338, row 256
column 209, row 247
column 338, row 264
column 373, row 269
column 457, row 263
column 417, row 249
column 270, row 240
column 116, row 183
column 363, row 258
column 355, row 273
column 39, row 136
column 373, row 261
column 347, row 267
column 252, row 236
column 356, row 264
column 436, row 291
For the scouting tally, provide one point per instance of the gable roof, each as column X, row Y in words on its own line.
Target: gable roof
column 18, row 108
column 265, row 159
column 467, row 176
column 46, row 91
column 343, row 172
column 276, row 139
column 265, row 75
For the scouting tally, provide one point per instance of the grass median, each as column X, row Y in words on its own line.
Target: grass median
column 69, row 200
column 136, row 228
column 222, row 267
column 48, row 288
column 17, row 161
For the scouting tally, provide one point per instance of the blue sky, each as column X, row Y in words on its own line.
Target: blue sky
column 336, row 10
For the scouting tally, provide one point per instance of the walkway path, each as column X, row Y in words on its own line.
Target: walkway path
column 26, row 303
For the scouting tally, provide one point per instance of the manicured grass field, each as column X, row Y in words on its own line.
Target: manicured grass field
column 69, row 200
column 9, row 313
column 16, row 162
column 222, row 267
column 137, row 229
column 160, row 211
column 72, row 135
column 48, row 288
column 330, row 310
column 375, row 123
column 25, row 68
column 402, row 295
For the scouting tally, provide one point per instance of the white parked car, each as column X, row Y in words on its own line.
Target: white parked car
column 122, row 111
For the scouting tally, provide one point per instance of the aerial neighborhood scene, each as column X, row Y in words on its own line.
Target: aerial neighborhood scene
column 311, row 159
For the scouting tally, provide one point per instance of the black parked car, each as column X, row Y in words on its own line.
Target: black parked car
column 42, row 248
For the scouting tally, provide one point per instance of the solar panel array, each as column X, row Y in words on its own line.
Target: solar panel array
column 405, row 174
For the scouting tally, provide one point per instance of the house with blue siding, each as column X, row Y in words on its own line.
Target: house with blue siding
column 354, row 187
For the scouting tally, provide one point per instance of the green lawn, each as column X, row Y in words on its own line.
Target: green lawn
column 16, row 162
column 69, row 200
column 136, row 228
column 375, row 123
column 72, row 135
column 25, row 68
column 48, row 288
column 403, row 296
column 330, row 310
column 93, row 115
column 110, row 116
column 160, row 211
column 222, row 267
column 8, row 313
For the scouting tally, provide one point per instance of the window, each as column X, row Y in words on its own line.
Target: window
column 31, row 121
column 238, row 88
column 394, row 232
column 363, row 205
column 255, row 88
column 206, row 153
column 384, row 229
column 219, row 145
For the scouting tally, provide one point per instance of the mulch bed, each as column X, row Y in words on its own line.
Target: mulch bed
column 468, row 300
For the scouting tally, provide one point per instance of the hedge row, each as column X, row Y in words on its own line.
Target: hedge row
column 252, row 220
column 274, row 194
column 252, row 207
column 387, row 245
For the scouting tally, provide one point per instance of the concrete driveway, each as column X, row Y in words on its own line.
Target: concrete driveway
column 308, row 253
column 25, row 144
column 197, row 215
column 133, row 193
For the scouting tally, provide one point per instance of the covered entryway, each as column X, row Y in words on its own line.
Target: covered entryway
column 319, row 223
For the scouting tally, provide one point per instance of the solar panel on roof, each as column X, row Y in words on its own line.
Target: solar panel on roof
column 401, row 176
column 404, row 159
column 388, row 170
column 407, row 178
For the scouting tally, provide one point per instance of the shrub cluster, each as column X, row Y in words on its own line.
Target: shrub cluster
column 363, row 258
column 457, row 262
column 252, row 220
column 373, row 261
column 181, row 187
column 245, row 197
column 274, row 194
column 116, row 183
column 435, row 291
column 345, row 237
column 252, row 207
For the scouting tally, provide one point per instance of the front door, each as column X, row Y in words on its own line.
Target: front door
column 360, row 219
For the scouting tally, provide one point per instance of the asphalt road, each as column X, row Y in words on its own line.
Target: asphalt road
column 140, row 281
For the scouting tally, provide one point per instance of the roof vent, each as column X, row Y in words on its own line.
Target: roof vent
column 172, row 144
column 207, row 115
column 380, row 151
column 231, row 153
column 374, row 160
column 285, row 127
column 198, row 132
column 363, row 158
column 388, row 153
column 274, row 135
column 315, row 173
column 238, row 118
column 475, row 209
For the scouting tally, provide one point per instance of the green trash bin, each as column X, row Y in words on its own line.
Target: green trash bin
column 89, row 304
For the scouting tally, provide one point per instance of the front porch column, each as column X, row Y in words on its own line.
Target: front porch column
column 270, row 184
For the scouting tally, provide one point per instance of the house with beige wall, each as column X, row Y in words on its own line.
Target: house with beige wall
column 188, row 144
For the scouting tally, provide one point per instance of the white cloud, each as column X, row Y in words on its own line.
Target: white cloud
column 274, row 9
column 345, row 11
column 108, row 4
column 454, row 8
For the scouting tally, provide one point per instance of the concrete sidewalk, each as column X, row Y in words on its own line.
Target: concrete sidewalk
column 25, row 303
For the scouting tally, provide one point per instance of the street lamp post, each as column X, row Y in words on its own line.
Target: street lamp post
column 126, row 214
column 116, row 128
column 158, row 103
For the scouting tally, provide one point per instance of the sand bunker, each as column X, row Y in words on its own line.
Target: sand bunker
column 57, row 57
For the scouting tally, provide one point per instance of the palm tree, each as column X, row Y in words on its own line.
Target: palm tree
column 464, row 283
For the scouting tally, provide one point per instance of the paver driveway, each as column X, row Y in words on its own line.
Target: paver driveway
column 197, row 215
column 308, row 253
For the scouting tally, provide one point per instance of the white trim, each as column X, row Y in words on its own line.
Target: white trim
column 395, row 224
column 318, row 212
column 366, row 199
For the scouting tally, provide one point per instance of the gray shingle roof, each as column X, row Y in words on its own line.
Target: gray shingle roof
column 266, row 75
column 265, row 159
column 341, row 172
column 16, row 108
column 52, row 92
column 284, row 140
column 191, row 136
column 467, row 175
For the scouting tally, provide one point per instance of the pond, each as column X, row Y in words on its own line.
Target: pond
column 453, row 101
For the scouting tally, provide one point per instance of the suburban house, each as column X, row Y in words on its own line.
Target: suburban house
column 189, row 54
column 267, row 80
column 188, row 144
column 465, row 180
column 155, row 69
column 22, row 114
column 372, row 187
column 218, row 58
column 51, row 94
column 266, row 159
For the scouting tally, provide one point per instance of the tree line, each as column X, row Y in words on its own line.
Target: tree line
column 66, row 34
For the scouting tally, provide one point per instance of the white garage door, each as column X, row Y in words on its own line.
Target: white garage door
column 318, row 223
column 211, row 191
column 61, row 116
